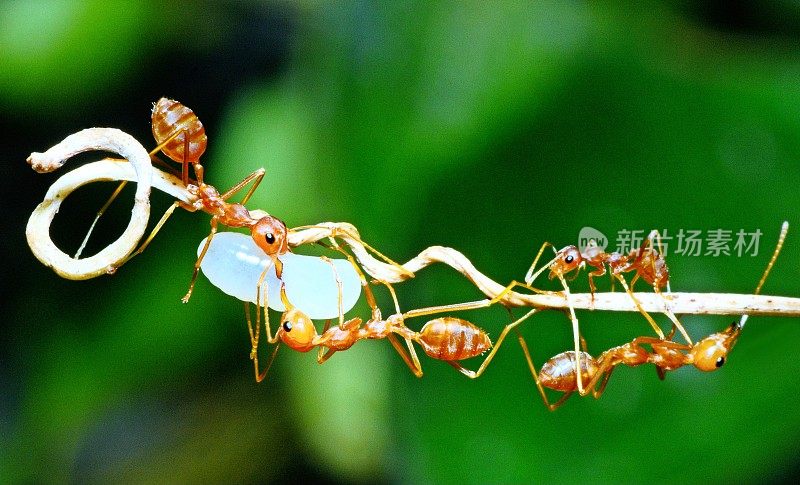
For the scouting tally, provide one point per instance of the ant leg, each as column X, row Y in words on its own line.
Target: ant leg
column 346, row 231
column 599, row 270
column 261, row 290
column 412, row 364
column 551, row 407
column 260, row 377
column 636, row 302
column 667, row 310
column 606, row 373
column 475, row 374
column 185, row 164
column 254, row 337
column 638, row 341
column 530, row 276
column 202, row 255
column 473, row 305
column 167, row 214
column 256, row 176
column 100, row 212
column 320, row 349
column 413, row 361
column 321, row 359
column 410, row 356
column 339, row 288
column 376, row 313
column 673, row 318
column 583, row 340
column 576, row 333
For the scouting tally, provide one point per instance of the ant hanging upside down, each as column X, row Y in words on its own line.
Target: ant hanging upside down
column 647, row 262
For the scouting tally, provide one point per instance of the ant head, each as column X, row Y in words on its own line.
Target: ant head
column 297, row 330
column 269, row 233
column 566, row 260
column 710, row 353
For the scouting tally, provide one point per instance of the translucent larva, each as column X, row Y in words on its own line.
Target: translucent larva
column 234, row 264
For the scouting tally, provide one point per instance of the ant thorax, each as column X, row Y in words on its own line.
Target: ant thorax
column 667, row 358
column 377, row 329
column 592, row 252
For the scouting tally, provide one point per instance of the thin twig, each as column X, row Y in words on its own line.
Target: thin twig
column 379, row 268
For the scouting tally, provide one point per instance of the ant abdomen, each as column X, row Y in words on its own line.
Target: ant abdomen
column 450, row 338
column 171, row 119
column 558, row 373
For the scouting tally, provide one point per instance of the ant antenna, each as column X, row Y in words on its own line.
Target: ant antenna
column 781, row 238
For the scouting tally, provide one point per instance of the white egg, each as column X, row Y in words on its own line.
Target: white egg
column 233, row 263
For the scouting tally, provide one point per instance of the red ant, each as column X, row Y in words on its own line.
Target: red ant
column 181, row 136
column 709, row 354
column 647, row 262
column 559, row 374
column 446, row 338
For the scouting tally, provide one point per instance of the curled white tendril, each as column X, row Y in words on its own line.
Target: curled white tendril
column 137, row 167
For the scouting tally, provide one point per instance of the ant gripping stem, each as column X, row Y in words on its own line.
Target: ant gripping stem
column 708, row 354
column 181, row 136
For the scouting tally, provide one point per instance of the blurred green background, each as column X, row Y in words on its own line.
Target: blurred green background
column 488, row 128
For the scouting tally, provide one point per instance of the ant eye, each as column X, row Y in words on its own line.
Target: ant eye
column 270, row 238
column 569, row 259
column 720, row 362
column 287, row 327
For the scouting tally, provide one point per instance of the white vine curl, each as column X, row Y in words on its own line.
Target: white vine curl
column 137, row 168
